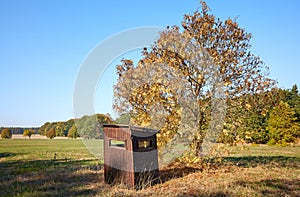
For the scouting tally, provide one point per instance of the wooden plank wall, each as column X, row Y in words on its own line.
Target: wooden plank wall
column 118, row 162
column 125, row 165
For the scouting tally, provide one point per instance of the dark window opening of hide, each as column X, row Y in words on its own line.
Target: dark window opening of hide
column 144, row 145
column 117, row 143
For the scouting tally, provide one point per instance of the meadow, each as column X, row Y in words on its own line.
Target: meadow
column 64, row 167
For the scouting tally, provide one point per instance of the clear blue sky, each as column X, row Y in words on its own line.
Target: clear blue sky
column 43, row 43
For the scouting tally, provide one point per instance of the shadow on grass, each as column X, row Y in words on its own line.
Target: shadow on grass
column 179, row 170
column 50, row 178
column 274, row 187
column 6, row 154
column 268, row 187
column 253, row 161
column 64, row 177
column 169, row 173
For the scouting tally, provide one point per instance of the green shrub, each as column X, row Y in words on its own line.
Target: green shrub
column 282, row 125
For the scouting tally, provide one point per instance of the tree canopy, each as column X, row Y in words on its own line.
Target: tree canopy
column 72, row 133
column 87, row 126
column 28, row 132
column 283, row 125
column 6, row 133
column 186, row 79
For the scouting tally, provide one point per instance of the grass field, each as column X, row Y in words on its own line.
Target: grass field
column 40, row 167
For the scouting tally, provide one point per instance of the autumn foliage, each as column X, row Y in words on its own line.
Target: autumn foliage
column 51, row 133
column 6, row 133
column 188, row 77
column 28, row 132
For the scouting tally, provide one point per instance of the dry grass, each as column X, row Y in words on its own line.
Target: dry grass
column 228, row 179
column 66, row 168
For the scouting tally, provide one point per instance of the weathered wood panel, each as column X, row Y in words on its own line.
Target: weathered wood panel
column 133, row 163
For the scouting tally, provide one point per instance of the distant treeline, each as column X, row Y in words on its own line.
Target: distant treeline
column 20, row 130
column 270, row 117
column 86, row 126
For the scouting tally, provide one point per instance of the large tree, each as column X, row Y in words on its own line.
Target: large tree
column 28, row 132
column 51, row 133
column 6, row 133
column 72, row 133
column 184, row 82
column 89, row 127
